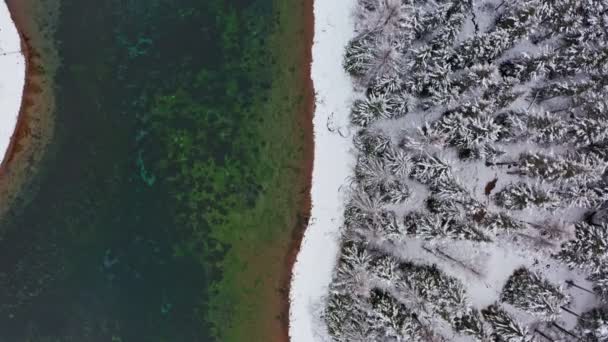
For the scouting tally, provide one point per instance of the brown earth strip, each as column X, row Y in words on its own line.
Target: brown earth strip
column 305, row 119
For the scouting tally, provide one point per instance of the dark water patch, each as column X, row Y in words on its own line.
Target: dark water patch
column 157, row 143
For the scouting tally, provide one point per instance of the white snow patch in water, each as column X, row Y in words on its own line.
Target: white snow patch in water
column 12, row 77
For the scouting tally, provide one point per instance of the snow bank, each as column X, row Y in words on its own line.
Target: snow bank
column 312, row 273
column 12, row 76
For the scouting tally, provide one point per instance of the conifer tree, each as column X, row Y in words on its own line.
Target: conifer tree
column 593, row 325
column 589, row 249
column 504, row 327
column 470, row 323
column 432, row 227
column 501, row 222
column 371, row 143
column 431, row 170
column 522, row 195
column 527, row 291
column 346, row 319
column 571, row 167
column 389, row 318
column 600, row 282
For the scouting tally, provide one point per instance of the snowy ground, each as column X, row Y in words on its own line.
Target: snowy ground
column 333, row 163
column 12, row 76
column 430, row 163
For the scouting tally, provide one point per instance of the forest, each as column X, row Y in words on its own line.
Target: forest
column 477, row 208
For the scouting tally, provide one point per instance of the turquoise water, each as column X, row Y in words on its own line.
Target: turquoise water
column 150, row 93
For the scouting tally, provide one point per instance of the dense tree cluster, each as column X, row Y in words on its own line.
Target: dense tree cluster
column 478, row 122
column 383, row 298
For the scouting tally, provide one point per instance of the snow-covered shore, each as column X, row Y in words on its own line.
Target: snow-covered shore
column 12, row 77
column 334, row 27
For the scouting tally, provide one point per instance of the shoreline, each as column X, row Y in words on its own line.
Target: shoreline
column 305, row 119
column 35, row 124
column 334, row 93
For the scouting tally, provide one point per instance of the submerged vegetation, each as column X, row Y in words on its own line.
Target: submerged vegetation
column 171, row 194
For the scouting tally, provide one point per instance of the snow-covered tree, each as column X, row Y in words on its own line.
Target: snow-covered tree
column 431, row 170
column 518, row 196
column 371, row 173
column 514, row 89
column 376, row 106
column 593, row 325
column 346, row 319
column 444, row 295
column 359, row 54
column 528, row 291
column 504, row 327
column 432, row 227
column 501, row 222
column 466, row 132
column 386, row 269
column 589, row 249
column 353, row 268
column 571, row 167
column 390, row 318
column 372, row 143
column 546, row 128
column 600, row 282
column 395, row 192
column 590, row 195
column 450, row 190
column 469, row 322
column 399, row 162
column 587, row 131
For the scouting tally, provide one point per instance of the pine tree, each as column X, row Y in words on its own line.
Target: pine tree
column 466, row 132
column 587, row 131
column 546, row 128
column 593, row 325
column 600, row 282
column 504, row 327
column 346, row 319
column 527, row 291
column 372, row 144
column 589, row 249
column 390, row 319
column 399, row 162
column 450, row 190
column 432, row 227
column 590, row 195
column 359, row 54
column 571, row 167
column 431, row 170
column 444, row 295
column 386, row 268
column 501, row 222
column 522, row 195
column 354, row 264
column 396, row 192
column 374, row 107
column 371, row 174
column 470, row 323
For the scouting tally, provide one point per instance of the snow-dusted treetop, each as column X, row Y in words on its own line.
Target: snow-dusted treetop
column 476, row 201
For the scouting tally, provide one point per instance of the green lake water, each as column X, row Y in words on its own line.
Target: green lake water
column 167, row 119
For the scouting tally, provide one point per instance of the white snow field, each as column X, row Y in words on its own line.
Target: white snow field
column 333, row 163
column 12, row 77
